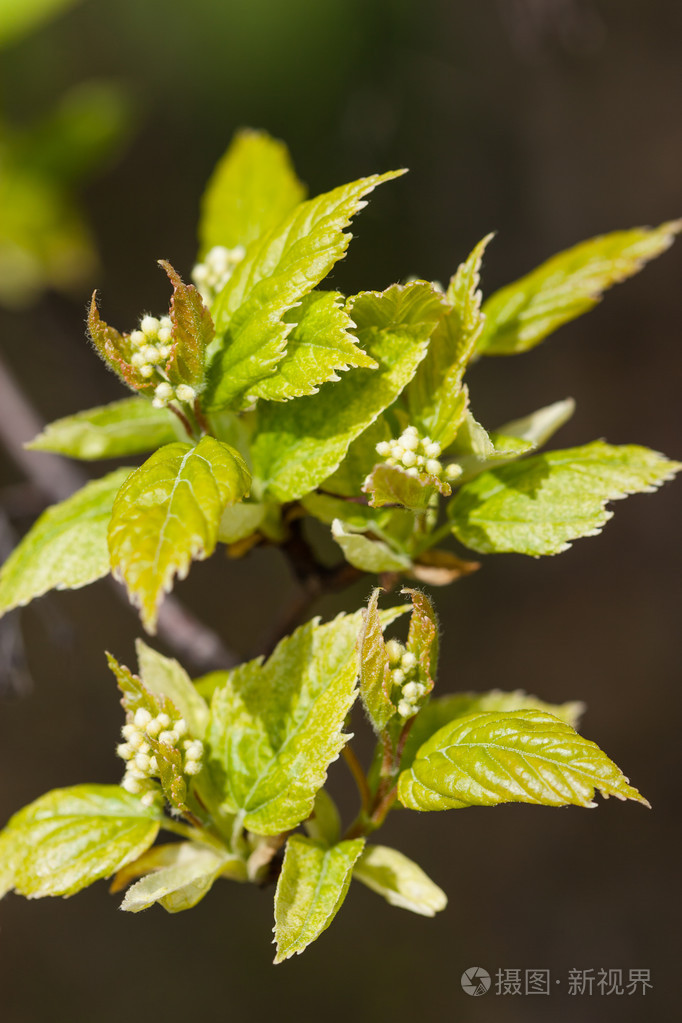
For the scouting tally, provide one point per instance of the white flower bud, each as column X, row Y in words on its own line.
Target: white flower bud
column 192, row 767
column 128, row 730
column 137, row 360
column 164, row 334
column 135, row 772
column 194, row 750
column 146, row 370
column 405, row 709
column 138, row 338
column 142, row 718
column 136, row 739
column 199, row 274
column 408, row 661
column 150, row 353
column 142, row 762
column 149, row 325
column 125, row 751
column 432, row 450
column 433, row 466
column 153, row 765
column 413, row 691
column 383, row 448
column 131, row 785
column 398, row 676
column 164, row 351
column 163, row 719
column 170, row 737
column 395, row 651
column 163, row 391
column 154, row 727
column 397, row 450
column 410, row 440
column 185, row 393
column 413, row 471
column 166, row 323
column 180, row 726
column 453, row 470
column 409, row 459
column 148, row 799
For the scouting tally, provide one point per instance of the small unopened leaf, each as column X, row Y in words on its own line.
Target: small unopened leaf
column 540, row 504
column 521, row 756
column 70, row 838
column 251, row 190
column 66, row 548
column 368, row 555
column 164, row 676
column 319, row 344
column 180, row 885
column 311, row 888
column 168, row 513
column 116, row 350
column 375, row 672
column 440, row 568
column 422, row 638
column 444, row 709
column 401, row 882
column 127, row 427
column 569, row 284
column 191, row 332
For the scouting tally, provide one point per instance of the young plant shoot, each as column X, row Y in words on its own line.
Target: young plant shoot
column 262, row 399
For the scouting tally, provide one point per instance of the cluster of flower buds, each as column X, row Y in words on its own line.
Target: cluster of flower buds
column 212, row 275
column 152, row 344
column 416, row 455
column 403, row 665
column 142, row 766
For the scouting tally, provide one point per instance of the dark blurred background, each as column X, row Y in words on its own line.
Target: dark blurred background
column 548, row 121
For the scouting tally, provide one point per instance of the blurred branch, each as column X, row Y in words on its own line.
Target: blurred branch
column 56, row 479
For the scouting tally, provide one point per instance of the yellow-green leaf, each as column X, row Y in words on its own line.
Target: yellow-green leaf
column 128, row 427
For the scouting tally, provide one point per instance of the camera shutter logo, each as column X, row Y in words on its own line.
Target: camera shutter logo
column 475, row 981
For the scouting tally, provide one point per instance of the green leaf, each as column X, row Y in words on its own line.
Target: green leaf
column 319, row 344
column 390, row 484
column 127, row 427
column 569, row 284
column 274, row 275
column 523, row 756
column 436, row 398
column 375, row 672
column 116, row 350
column 240, row 520
column 19, row 19
column 474, row 449
column 444, row 709
column 70, row 838
column 313, row 884
column 368, row 555
column 539, row 426
column 537, row 506
column 181, row 884
column 66, row 548
column 301, row 443
column 168, row 513
column 164, row 676
column 191, row 332
column 251, row 190
column 324, row 824
column 277, row 725
column 359, row 460
column 399, row 880
column 422, row 637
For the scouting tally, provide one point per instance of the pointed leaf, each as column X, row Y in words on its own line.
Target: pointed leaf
column 375, row 672
column 522, row 756
column 319, row 344
column 401, row 882
column 168, row 513
column 538, row 505
column 128, row 427
column 276, row 272
column 444, row 709
column 300, row 444
column 569, row 284
column 66, row 548
column 70, row 838
column 311, row 888
column 422, row 638
column 324, row 824
column 436, row 397
column 276, row 726
column 392, row 524
column 180, row 885
column 251, row 190
column 539, row 426
column 475, row 450
column 191, row 332
column 163, row 676
column 116, row 350
column 368, row 555
column 240, row 520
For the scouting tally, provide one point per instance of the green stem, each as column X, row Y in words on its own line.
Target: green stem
column 442, row 533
